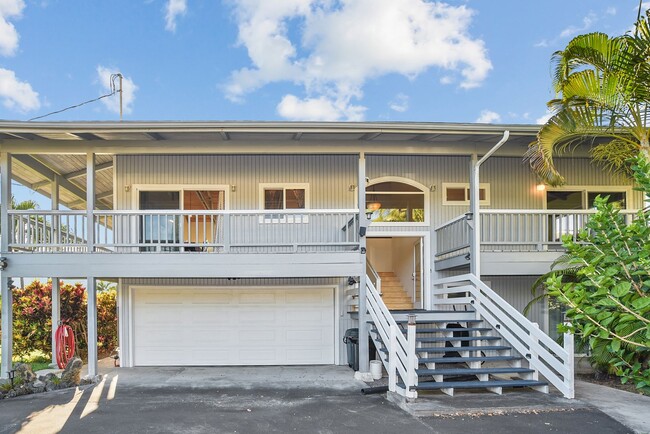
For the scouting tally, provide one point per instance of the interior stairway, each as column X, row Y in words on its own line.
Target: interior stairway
column 456, row 351
column 392, row 292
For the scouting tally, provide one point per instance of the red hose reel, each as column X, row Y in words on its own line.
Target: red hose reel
column 65, row 345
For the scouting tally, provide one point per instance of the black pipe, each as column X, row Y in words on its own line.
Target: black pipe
column 373, row 390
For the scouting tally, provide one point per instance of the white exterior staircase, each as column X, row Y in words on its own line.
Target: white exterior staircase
column 485, row 345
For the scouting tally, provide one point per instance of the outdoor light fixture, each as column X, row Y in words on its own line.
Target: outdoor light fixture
column 369, row 215
column 3, row 263
column 12, row 374
column 352, row 281
column 540, row 187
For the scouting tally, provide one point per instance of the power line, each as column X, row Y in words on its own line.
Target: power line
column 114, row 90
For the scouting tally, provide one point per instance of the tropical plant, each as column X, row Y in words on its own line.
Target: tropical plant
column 602, row 87
column 32, row 321
column 605, row 286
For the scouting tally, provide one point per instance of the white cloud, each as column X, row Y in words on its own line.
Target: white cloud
column 318, row 109
column 16, row 94
column 173, row 10
column 400, row 103
column 447, row 79
column 8, row 34
column 128, row 90
column 611, row 10
column 587, row 23
column 544, row 118
column 488, row 117
column 345, row 43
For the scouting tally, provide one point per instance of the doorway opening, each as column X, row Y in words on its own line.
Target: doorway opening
column 399, row 261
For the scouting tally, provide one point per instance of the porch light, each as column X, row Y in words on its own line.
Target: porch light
column 11, row 374
column 373, row 206
column 540, row 187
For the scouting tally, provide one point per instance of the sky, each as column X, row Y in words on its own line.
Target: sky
column 325, row 60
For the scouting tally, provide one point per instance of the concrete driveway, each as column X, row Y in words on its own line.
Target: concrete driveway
column 260, row 399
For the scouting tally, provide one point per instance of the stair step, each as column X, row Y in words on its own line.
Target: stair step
column 437, row 321
column 469, row 359
column 460, row 349
column 446, row 330
column 462, row 339
column 433, row 385
column 467, row 371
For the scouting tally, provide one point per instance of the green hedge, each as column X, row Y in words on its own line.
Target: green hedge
column 32, row 322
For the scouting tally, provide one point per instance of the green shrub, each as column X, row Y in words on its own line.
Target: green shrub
column 32, row 310
column 607, row 291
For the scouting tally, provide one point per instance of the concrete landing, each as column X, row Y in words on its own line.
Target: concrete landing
column 485, row 404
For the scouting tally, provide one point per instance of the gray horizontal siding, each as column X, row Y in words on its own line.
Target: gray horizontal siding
column 328, row 176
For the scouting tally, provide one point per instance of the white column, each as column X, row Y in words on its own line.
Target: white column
column 364, row 350
column 475, row 239
column 90, row 200
column 7, row 325
column 56, row 289
column 56, row 313
column 5, row 289
column 92, row 326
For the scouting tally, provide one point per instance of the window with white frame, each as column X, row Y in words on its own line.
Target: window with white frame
column 578, row 198
column 394, row 201
column 458, row 193
column 279, row 196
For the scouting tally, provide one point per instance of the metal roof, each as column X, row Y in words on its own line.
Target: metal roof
column 46, row 149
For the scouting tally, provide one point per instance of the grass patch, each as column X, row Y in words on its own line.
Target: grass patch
column 38, row 359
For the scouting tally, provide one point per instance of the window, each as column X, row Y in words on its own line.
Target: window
column 284, row 197
column 583, row 197
column 577, row 198
column 395, row 202
column 459, row 194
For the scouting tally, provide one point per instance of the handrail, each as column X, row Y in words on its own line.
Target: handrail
column 402, row 359
column 375, row 275
column 451, row 222
column 546, row 356
column 219, row 231
column 550, row 211
column 186, row 212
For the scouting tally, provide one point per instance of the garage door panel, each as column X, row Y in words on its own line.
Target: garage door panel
column 233, row 326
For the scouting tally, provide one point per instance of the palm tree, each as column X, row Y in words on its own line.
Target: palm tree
column 602, row 85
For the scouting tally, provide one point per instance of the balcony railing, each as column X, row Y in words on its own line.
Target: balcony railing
column 277, row 231
column 514, row 230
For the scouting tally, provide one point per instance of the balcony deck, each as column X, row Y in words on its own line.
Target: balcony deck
column 513, row 242
column 173, row 243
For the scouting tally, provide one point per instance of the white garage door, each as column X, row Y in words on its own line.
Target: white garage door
column 201, row 326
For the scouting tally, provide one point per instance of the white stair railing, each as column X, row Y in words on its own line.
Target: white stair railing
column 553, row 361
column 402, row 359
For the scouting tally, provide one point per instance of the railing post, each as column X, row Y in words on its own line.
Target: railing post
column 226, row 233
column 533, row 360
column 392, row 355
column 411, row 358
column 570, row 365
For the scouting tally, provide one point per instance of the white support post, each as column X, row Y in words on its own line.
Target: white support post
column 56, row 284
column 364, row 350
column 411, row 377
column 534, row 357
column 7, row 340
column 92, row 326
column 392, row 356
column 569, row 380
column 7, row 324
column 56, row 314
column 475, row 208
column 90, row 200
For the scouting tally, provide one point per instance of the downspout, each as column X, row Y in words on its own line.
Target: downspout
column 475, row 208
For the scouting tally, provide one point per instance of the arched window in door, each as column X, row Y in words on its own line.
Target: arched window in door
column 396, row 201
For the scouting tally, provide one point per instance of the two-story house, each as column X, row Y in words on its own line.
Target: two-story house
column 261, row 243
